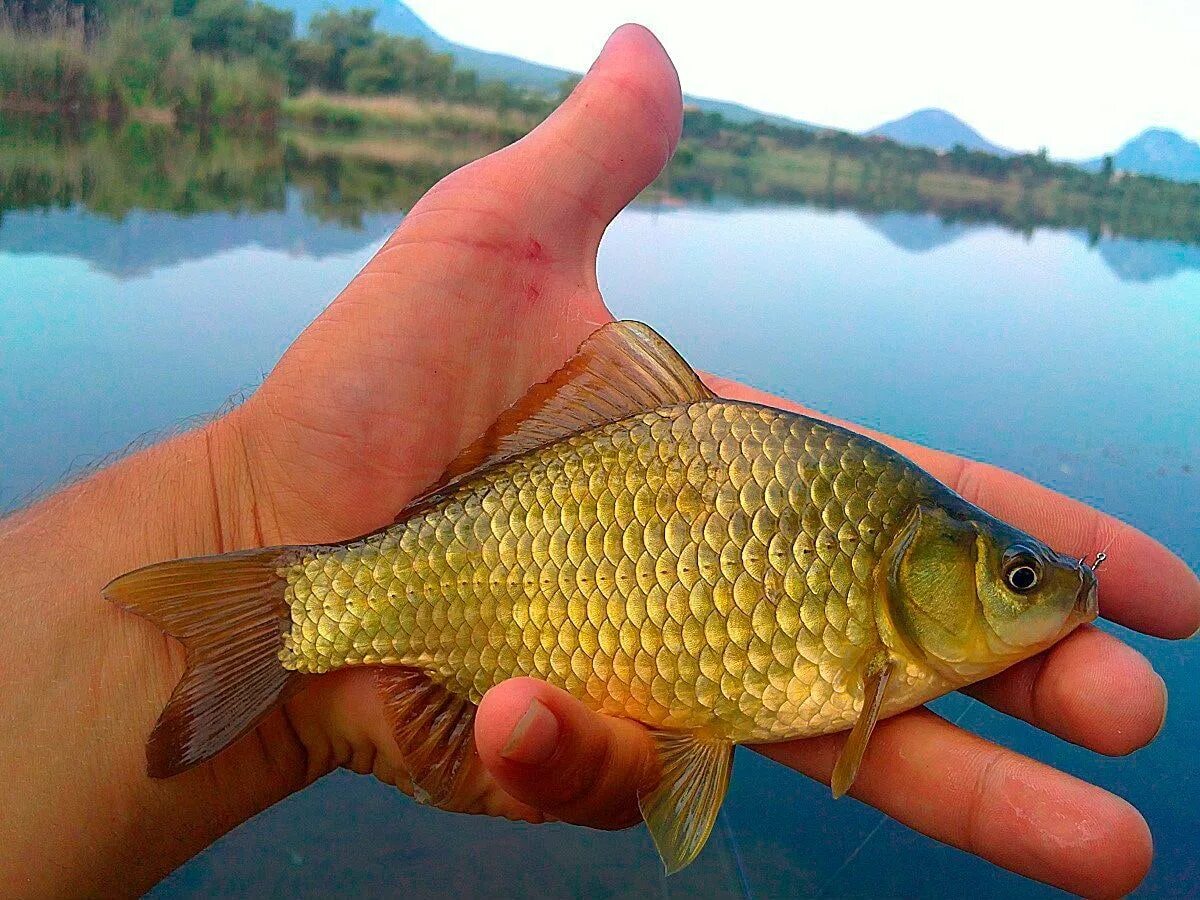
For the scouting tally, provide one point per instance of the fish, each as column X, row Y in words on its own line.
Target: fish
column 721, row 572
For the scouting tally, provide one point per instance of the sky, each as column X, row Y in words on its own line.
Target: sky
column 1079, row 78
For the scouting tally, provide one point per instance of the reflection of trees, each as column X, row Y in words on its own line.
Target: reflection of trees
column 961, row 186
column 343, row 188
column 112, row 171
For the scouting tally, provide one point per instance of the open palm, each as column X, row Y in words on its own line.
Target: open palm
column 485, row 289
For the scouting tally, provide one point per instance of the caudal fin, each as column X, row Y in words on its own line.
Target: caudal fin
column 230, row 615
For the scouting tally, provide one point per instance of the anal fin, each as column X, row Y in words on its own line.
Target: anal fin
column 681, row 809
column 875, row 682
column 434, row 729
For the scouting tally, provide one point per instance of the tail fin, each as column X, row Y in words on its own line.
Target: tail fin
column 230, row 614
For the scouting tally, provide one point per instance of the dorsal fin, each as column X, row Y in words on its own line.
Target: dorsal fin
column 621, row 369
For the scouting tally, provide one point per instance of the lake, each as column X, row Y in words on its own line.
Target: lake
column 137, row 294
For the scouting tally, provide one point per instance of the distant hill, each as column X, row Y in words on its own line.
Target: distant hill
column 937, row 130
column 1156, row 151
column 395, row 17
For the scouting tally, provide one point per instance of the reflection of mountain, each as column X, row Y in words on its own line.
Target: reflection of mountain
column 1129, row 259
column 131, row 200
column 917, row 232
column 1133, row 260
column 144, row 240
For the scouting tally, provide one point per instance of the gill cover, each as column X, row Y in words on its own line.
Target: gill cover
column 929, row 605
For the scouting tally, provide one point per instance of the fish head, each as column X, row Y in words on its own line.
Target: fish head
column 972, row 594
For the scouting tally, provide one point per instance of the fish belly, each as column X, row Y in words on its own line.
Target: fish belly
column 707, row 566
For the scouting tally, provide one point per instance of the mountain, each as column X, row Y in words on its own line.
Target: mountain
column 389, row 16
column 1156, row 151
column 395, row 17
column 937, row 130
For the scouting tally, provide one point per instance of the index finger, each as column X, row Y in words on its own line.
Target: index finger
column 1144, row 585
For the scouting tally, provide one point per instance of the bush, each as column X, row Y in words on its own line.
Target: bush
column 53, row 72
column 137, row 62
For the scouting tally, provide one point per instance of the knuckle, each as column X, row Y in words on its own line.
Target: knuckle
column 977, row 813
column 592, row 787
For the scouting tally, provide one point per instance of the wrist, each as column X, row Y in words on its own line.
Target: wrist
column 91, row 679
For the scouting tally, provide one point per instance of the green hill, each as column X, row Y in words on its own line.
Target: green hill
column 395, row 17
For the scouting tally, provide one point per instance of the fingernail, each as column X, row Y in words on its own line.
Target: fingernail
column 534, row 738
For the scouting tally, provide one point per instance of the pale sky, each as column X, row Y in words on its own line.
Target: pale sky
column 1078, row 77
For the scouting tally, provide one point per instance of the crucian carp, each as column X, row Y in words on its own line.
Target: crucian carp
column 721, row 572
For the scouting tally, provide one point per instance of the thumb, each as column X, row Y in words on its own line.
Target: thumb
column 570, row 176
column 546, row 749
column 615, row 132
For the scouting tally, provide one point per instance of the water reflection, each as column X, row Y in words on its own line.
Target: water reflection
column 1132, row 260
column 917, row 232
column 1128, row 258
column 141, row 241
column 134, row 199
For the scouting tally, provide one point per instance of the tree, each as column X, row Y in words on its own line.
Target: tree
column 232, row 29
column 309, row 64
column 341, row 33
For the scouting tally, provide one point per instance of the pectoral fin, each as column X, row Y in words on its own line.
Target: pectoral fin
column 681, row 809
column 875, row 683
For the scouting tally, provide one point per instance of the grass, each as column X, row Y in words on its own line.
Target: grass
column 132, row 69
column 382, row 152
column 350, row 113
column 880, row 179
column 50, row 74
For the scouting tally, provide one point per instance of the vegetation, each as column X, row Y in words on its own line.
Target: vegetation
column 765, row 162
column 412, row 116
column 215, row 60
column 347, row 92
column 61, row 61
column 114, row 169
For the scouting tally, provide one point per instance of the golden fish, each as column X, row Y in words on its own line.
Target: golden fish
column 721, row 572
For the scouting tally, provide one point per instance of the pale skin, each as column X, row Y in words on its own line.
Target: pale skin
column 486, row 288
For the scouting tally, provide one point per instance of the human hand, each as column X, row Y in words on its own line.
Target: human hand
column 486, row 288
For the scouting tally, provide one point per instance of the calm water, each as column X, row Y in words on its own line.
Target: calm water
column 1077, row 365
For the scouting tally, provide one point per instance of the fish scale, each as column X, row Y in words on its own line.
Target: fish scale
column 700, row 566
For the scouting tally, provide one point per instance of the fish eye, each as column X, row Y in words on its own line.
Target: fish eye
column 1022, row 572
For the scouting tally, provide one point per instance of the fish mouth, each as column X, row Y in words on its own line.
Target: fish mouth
column 1087, row 603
